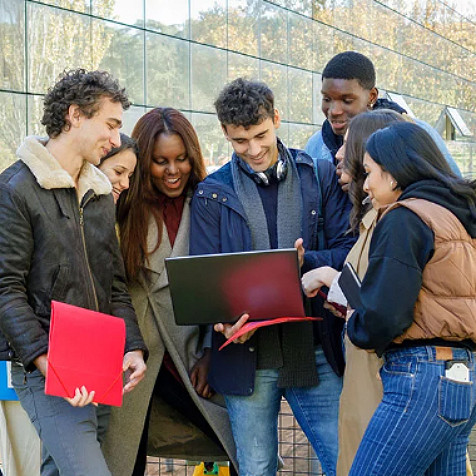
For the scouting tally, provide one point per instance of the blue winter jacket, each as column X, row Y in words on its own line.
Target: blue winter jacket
column 219, row 225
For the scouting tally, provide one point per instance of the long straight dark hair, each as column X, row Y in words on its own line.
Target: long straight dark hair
column 139, row 203
column 409, row 154
column 361, row 127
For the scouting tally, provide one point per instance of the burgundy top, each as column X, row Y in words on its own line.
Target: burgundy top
column 172, row 209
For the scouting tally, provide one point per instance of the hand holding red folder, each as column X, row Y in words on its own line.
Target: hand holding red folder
column 253, row 326
column 86, row 348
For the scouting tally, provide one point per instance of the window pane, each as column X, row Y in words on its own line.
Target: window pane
column 12, row 126
column 122, row 54
column 243, row 26
column 283, row 132
column 274, row 44
column 168, row 76
column 208, row 23
column 124, row 11
column 207, row 80
column 317, row 114
column 57, row 40
column 300, row 95
column 165, row 18
column 323, row 45
column 300, row 34
column 12, row 45
column 275, row 76
column 240, row 66
column 212, row 141
column 299, row 134
column 130, row 118
column 300, row 6
column 35, row 114
column 78, row 5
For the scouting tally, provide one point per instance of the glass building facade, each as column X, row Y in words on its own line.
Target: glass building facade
column 180, row 53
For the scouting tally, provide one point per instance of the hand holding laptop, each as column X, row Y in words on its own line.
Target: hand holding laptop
column 229, row 330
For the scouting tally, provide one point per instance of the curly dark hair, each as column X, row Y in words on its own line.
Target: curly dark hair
column 244, row 103
column 83, row 88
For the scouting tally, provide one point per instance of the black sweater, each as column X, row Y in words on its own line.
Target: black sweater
column 401, row 246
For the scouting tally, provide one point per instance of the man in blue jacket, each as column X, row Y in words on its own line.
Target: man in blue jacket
column 268, row 197
column 348, row 89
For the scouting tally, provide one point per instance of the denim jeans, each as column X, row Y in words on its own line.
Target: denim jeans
column 254, row 419
column 422, row 425
column 69, row 434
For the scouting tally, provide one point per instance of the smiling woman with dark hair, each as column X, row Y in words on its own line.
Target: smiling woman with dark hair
column 175, row 413
column 418, row 308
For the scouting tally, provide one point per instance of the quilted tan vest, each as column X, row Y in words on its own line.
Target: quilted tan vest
column 446, row 305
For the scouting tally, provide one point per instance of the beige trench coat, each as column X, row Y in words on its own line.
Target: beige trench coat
column 170, row 434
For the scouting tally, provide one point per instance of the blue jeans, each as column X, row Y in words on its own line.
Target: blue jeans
column 254, row 419
column 422, row 425
column 69, row 434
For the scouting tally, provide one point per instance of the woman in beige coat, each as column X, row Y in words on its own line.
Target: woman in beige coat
column 173, row 413
column 362, row 389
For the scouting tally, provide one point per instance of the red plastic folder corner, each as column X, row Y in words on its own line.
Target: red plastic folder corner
column 85, row 348
column 249, row 326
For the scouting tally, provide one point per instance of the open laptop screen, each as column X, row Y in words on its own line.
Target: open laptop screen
column 207, row 289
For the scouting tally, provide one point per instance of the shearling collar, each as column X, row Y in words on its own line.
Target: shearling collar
column 50, row 175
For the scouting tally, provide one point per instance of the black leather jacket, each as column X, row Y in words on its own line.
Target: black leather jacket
column 54, row 248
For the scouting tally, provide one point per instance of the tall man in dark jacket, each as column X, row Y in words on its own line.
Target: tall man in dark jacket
column 58, row 241
column 268, row 197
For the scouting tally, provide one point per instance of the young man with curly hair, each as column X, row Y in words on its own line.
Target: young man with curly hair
column 58, row 242
column 267, row 197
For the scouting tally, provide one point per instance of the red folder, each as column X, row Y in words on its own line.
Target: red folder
column 85, row 348
column 249, row 326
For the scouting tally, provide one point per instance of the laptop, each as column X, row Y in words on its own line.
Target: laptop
column 207, row 289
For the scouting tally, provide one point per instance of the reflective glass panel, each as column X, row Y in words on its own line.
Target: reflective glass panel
column 243, row 26
column 274, row 41
column 168, row 78
column 240, row 66
column 12, row 45
column 299, row 134
column 167, row 17
column 275, row 76
column 130, row 117
column 212, row 141
column 317, row 114
column 57, row 40
column 35, row 114
column 77, row 5
column 209, row 73
column 122, row 54
column 124, row 11
column 300, row 36
column 208, row 23
column 323, row 45
column 300, row 95
column 12, row 126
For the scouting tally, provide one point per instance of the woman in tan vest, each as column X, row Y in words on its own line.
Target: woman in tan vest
column 418, row 308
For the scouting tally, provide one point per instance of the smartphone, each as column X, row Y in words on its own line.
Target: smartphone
column 457, row 370
column 350, row 284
